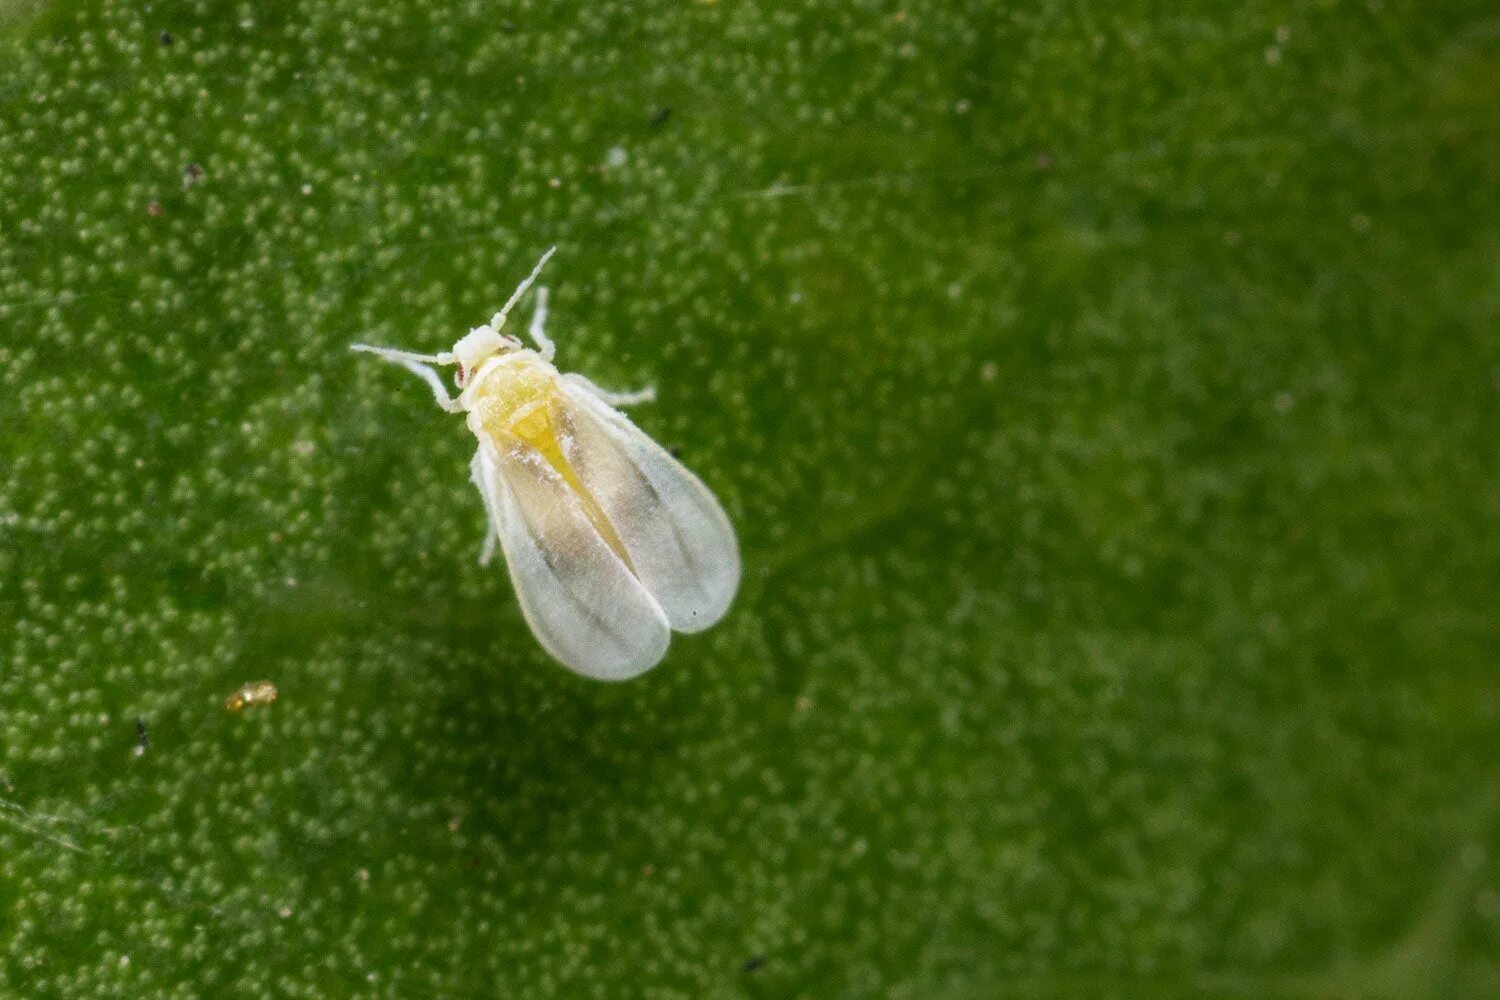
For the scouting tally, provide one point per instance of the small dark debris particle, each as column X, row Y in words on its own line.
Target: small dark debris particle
column 755, row 963
column 142, row 738
column 674, row 451
column 191, row 174
column 660, row 116
column 154, row 209
column 166, row 38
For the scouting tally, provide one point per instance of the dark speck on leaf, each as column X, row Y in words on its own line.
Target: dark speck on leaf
column 142, row 738
column 755, row 963
column 508, row 26
column 660, row 116
column 166, row 38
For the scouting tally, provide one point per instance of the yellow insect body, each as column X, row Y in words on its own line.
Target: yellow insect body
column 611, row 543
column 516, row 395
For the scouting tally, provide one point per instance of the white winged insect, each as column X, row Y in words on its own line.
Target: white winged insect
column 612, row 543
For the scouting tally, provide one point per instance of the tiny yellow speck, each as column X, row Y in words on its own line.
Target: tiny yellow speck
column 254, row 693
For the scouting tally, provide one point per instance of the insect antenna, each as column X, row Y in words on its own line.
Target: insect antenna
column 499, row 318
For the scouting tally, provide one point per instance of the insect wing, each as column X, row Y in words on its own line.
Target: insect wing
column 581, row 601
column 678, row 538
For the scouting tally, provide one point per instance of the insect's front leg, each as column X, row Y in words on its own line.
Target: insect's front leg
column 417, row 365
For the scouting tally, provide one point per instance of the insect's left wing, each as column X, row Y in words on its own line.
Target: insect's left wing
column 582, row 603
column 679, row 540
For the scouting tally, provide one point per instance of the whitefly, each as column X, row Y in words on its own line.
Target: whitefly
column 612, row 544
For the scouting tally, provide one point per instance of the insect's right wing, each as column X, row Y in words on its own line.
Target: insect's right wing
column 678, row 538
column 582, row 602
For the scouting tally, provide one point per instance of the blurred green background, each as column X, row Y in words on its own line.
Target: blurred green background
column 1106, row 398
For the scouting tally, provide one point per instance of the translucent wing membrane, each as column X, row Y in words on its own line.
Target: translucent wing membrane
column 580, row 599
column 678, row 539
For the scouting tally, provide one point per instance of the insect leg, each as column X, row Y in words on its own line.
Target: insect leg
column 537, row 331
column 646, row 395
column 417, row 365
column 498, row 320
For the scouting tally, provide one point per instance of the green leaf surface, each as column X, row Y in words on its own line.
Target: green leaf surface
column 1105, row 396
